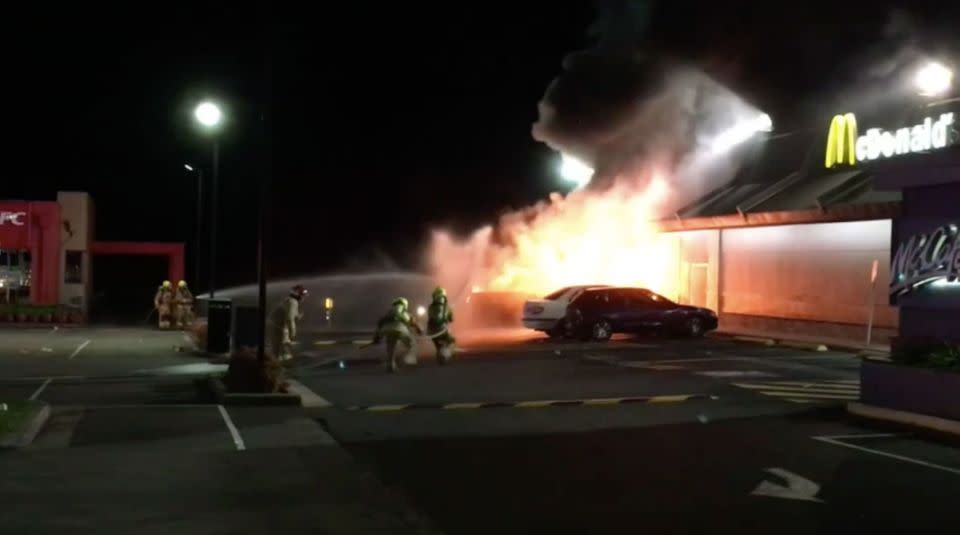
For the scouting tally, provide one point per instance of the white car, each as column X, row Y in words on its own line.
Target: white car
column 547, row 314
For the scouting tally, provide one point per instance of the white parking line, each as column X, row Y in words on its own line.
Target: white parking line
column 237, row 439
column 39, row 389
column 79, row 349
column 831, row 440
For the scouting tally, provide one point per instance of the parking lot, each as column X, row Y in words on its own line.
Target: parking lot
column 518, row 434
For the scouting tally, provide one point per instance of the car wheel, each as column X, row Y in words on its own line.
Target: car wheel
column 556, row 332
column 695, row 327
column 601, row 331
column 572, row 325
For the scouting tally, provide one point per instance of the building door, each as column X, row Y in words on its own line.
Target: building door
column 697, row 285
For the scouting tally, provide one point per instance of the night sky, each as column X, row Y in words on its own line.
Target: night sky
column 385, row 119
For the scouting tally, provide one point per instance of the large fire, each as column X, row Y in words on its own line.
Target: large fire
column 586, row 237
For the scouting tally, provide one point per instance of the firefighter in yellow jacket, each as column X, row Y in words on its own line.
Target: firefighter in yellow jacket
column 439, row 318
column 163, row 302
column 398, row 327
column 183, row 314
column 283, row 330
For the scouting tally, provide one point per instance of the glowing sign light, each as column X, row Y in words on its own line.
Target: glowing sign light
column 925, row 259
column 14, row 218
column 844, row 146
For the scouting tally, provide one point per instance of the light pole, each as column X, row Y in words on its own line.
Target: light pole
column 199, row 225
column 266, row 141
column 209, row 116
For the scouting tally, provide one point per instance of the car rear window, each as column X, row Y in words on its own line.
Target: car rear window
column 593, row 296
column 556, row 295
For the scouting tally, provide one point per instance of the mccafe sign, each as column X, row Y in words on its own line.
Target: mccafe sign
column 926, row 258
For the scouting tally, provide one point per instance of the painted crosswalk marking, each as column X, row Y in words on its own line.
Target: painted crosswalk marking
column 807, row 391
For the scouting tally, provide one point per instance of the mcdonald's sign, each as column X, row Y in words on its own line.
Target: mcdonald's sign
column 842, row 140
column 846, row 147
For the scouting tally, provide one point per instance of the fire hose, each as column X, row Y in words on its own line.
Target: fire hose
column 345, row 355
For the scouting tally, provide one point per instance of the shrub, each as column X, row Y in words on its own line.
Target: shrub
column 947, row 357
column 929, row 354
column 247, row 374
column 198, row 333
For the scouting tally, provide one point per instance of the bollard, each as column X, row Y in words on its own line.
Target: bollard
column 328, row 311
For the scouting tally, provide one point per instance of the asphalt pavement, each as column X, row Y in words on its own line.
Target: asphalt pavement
column 130, row 447
column 519, row 434
column 740, row 438
column 81, row 351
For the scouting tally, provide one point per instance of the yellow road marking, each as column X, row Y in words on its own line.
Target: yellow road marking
column 534, row 404
column 456, row 406
column 669, row 399
column 602, row 401
column 386, row 408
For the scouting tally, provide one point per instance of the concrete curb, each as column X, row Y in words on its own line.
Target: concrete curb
column 25, row 437
column 212, row 384
column 912, row 419
column 809, row 346
column 308, row 398
column 754, row 340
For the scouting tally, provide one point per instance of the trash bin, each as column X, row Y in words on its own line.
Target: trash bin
column 219, row 319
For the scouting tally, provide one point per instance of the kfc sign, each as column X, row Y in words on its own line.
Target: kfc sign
column 17, row 219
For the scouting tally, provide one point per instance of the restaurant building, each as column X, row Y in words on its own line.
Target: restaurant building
column 848, row 230
column 46, row 249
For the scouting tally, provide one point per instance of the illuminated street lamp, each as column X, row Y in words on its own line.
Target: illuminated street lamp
column 210, row 117
column 933, row 79
column 575, row 171
column 208, row 114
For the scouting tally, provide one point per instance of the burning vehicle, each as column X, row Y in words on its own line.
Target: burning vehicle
column 493, row 309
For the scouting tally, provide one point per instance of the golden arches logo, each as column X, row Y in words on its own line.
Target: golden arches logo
column 842, row 141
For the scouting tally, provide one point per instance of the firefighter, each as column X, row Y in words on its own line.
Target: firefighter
column 183, row 314
column 397, row 326
column 284, row 323
column 439, row 318
column 163, row 302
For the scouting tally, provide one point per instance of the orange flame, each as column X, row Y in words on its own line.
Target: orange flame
column 583, row 238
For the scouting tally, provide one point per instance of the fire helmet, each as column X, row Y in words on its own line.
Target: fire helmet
column 166, row 284
column 298, row 291
column 402, row 301
column 182, row 284
column 439, row 292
